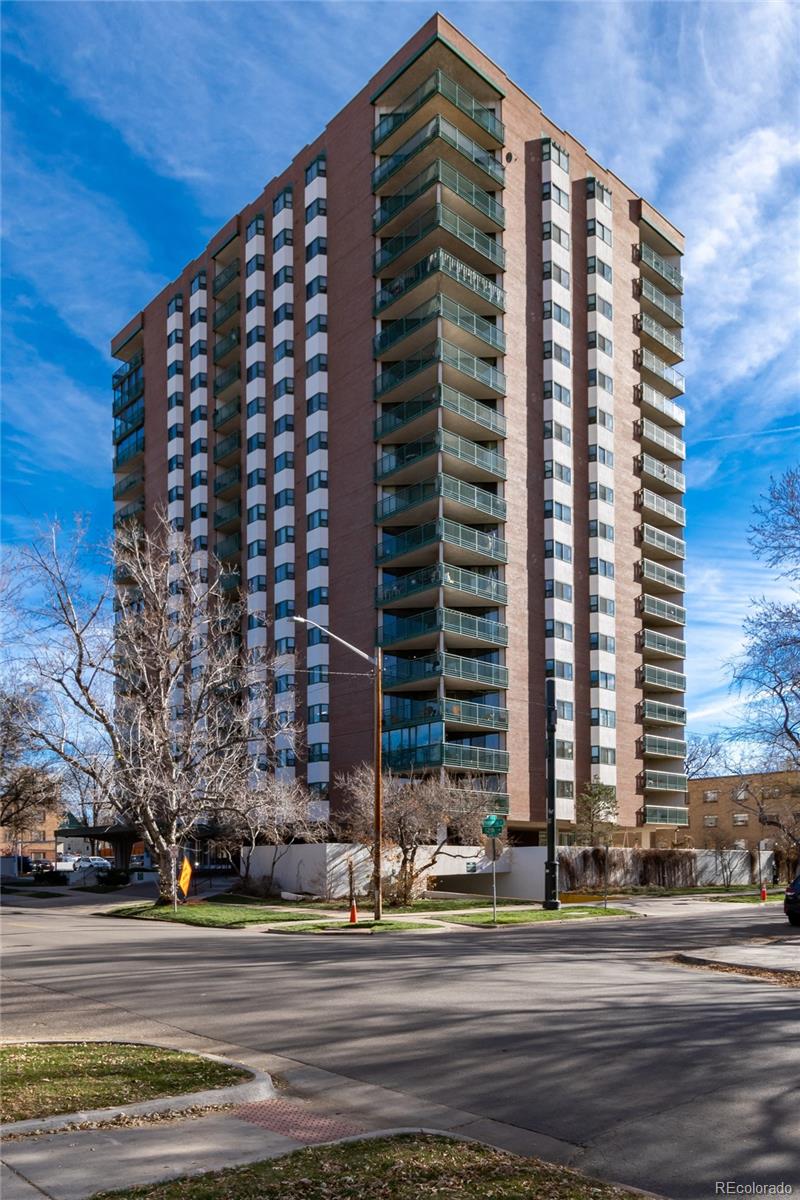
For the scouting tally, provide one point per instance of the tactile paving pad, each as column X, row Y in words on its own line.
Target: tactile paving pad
column 295, row 1121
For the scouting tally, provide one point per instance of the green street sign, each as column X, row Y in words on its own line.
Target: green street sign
column 493, row 826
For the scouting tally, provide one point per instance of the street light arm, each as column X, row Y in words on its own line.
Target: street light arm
column 336, row 638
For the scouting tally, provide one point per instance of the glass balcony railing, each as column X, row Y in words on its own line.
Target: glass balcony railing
column 438, row 84
column 661, row 335
column 658, row 470
column 645, row 394
column 439, row 172
column 225, row 378
column 130, row 389
column 440, row 306
column 224, row 312
column 226, row 276
column 224, row 345
column 130, row 510
column 659, row 814
column 651, row 362
column 447, row 398
column 661, row 644
column 661, row 266
column 646, row 569
column 654, row 606
column 474, row 670
column 132, row 450
column 227, row 479
column 439, row 127
column 127, row 368
column 471, row 583
column 227, row 513
column 439, row 217
column 646, row 499
column 662, row 714
column 447, row 754
column 664, row 781
column 444, row 352
column 649, row 431
column 401, row 711
column 487, row 545
column 462, row 448
column 674, row 547
column 667, row 305
column 229, row 445
column 227, row 412
column 230, row 581
column 128, row 484
column 406, row 498
column 397, row 671
column 661, row 747
column 449, row 620
column 229, row 547
column 444, row 262
column 660, row 677
column 132, row 419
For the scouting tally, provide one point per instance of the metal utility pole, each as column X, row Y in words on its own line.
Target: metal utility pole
column 377, row 861
column 551, row 899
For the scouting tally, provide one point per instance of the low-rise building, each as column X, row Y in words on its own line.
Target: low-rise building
column 724, row 809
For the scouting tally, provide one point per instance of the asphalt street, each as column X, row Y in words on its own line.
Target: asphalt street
column 668, row 1078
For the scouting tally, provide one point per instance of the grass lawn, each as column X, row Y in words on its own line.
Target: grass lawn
column 416, row 906
column 532, row 916
column 408, row 1167
column 209, row 914
column 44, row 1080
column 36, row 895
column 772, row 897
column 385, row 926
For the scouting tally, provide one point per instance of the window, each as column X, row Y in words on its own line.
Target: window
column 283, row 424
column 318, row 324
column 174, row 431
column 601, row 455
column 317, row 637
column 318, row 167
column 317, row 714
column 256, row 441
column 553, row 469
column 598, row 379
column 596, row 341
column 319, row 479
column 565, row 789
column 256, row 370
column 558, row 511
column 284, row 462
column 318, row 363
column 256, row 406
column 605, row 717
column 200, row 380
column 599, row 491
column 318, row 286
column 176, row 462
column 317, row 596
column 598, row 229
column 600, row 529
column 284, row 646
column 284, row 387
column 198, row 317
column 565, row 710
column 284, row 683
column 284, row 349
column 555, row 668
column 257, row 548
column 284, row 571
column 199, row 446
column 559, row 353
column 284, row 275
column 284, row 238
column 601, row 566
column 174, row 368
column 281, row 201
column 559, row 235
column 554, row 429
column 257, row 478
column 551, row 151
column 317, row 519
column 555, row 589
column 175, row 401
column 256, row 263
column 317, row 403
column 317, row 441
column 604, row 754
column 256, row 583
column 594, row 264
column 318, row 246
column 256, row 512
column 557, row 391
column 553, row 549
column 710, row 797
column 558, row 629
column 602, row 679
column 199, row 479
column 257, row 334
column 199, row 511
column 601, row 641
column 599, row 416
column 555, row 312
column 285, row 535
column 200, row 413
column 564, row 749
column 595, row 303
column 199, row 282
column 175, row 493
column 256, row 299
column 601, row 604
column 318, row 752
column 317, row 208
column 175, row 305
column 595, row 190
column 255, row 227
column 710, row 821
column 285, row 757
column 741, row 819
column 284, row 498
column 317, row 558
column 174, row 338
column 284, row 312
column 551, row 270
column 551, row 192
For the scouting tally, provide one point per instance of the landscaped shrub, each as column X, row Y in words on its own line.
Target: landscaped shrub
column 114, row 877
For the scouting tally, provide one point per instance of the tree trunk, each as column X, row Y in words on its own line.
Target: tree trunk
column 165, row 892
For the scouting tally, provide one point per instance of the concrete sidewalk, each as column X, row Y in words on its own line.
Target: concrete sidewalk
column 781, row 954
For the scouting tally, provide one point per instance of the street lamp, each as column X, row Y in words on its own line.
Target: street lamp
column 377, row 663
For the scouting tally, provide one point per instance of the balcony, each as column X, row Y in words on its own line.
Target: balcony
column 398, row 376
column 472, row 157
column 467, row 546
column 467, row 672
column 129, row 484
column 464, row 714
column 225, row 346
column 227, row 481
column 228, row 547
column 226, row 379
column 655, row 713
column 479, row 333
column 663, row 781
column 647, row 361
column 440, row 85
column 660, row 678
column 447, row 754
column 227, row 413
column 224, row 312
column 421, row 281
column 122, row 372
column 423, row 630
column 460, row 587
column 132, row 419
column 461, row 414
column 464, row 194
column 224, row 278
column 664, row 270
column 405, row 463
column 485, row 249
column 653, row 331
column 658, row 814
column 230, row 581
column 228, row 515
column 127, row 392
column 650, row 294
column 657, row 507
column 657, row 611
column 648, row 642
column 228, row 448
column 134, row 509
column 131, row 452
column 663, row 544
column 662, row 476
column 462, row 501
column 651, row 746
column 649, row 431
column 649, row 397
column 656, row 577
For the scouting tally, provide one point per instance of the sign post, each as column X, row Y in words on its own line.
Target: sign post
column 492, row 827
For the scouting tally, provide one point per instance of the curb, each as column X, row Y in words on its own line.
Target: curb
column 260, row 1087
column 701, row 961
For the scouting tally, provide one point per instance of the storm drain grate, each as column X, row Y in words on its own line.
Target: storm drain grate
column 295, row 1121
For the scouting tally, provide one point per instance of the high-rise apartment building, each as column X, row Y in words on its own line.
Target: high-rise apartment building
column 424, row 390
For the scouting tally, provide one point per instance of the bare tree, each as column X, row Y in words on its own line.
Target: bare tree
column 421, row 815
column 722, row 845
column 775, row 536
column 775, row 804
column 267, row 811
column 704, row 755
column 29, row 787
column 159, row 696
column 596, row 810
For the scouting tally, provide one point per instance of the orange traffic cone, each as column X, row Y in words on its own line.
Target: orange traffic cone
column 763, row 892
column 353, row 912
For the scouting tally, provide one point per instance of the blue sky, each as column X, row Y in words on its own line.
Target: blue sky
column 134, row 130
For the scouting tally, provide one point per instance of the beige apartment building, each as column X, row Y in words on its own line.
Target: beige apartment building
column 424, row 391
column 723, row 810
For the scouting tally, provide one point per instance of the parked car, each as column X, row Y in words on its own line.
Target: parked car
column 94, row 862
column 791, row 901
